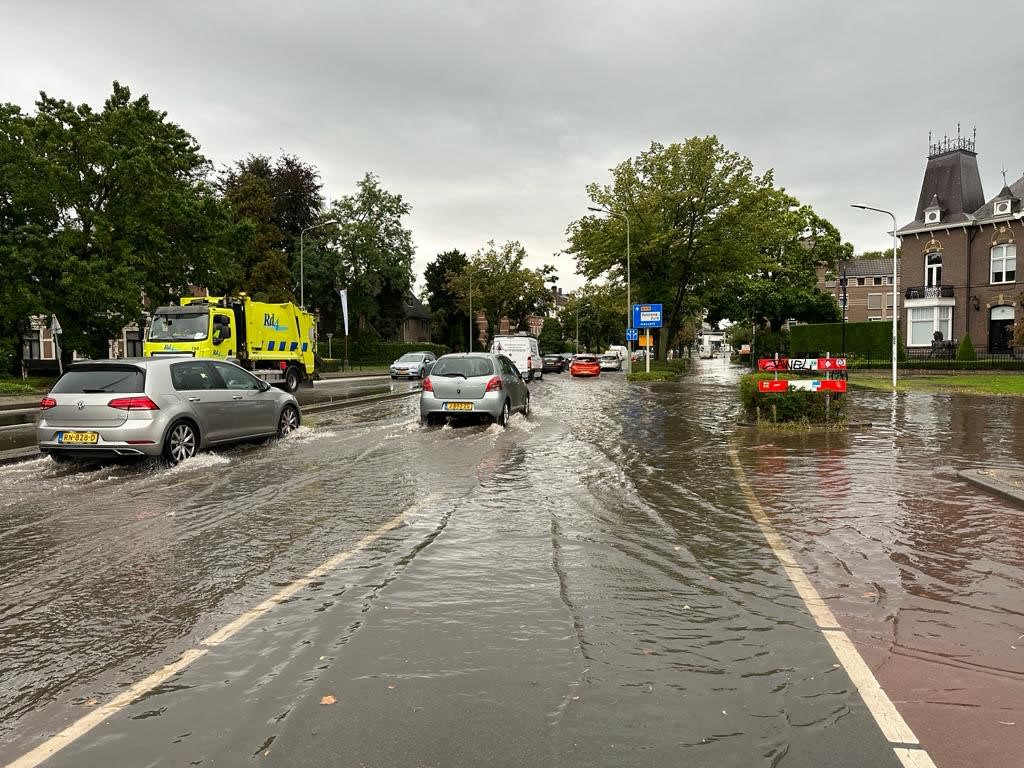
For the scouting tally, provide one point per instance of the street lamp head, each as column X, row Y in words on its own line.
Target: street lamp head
column 596, row 210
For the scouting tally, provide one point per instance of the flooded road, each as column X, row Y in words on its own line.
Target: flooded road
column 587, row 587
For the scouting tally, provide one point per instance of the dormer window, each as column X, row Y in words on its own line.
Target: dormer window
column 1001, row 208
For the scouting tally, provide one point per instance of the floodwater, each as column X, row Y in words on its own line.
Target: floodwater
column 586, row 587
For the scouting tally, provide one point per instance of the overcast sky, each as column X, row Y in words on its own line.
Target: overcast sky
column 491, row 118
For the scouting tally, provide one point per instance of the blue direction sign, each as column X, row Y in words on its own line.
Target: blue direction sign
column 647, row 315
column 632, row 334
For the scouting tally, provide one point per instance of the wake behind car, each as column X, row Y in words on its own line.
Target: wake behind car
column 473, row 385
column 585, row 365
column 169, row 407
column 413, row 364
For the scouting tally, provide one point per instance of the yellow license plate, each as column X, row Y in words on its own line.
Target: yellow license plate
column 458, row 406
column 78, row 437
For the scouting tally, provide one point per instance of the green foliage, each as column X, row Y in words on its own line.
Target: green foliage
column 101, row 208
column 965, row 352
column 872, row 341
column 451, row 323
column 275, row 200
column 642, row 375
column 496, row 282
column 791, row 406
column 31, row 386
column 601, row 310
column 551, row 339
column 766, row 343
column 700, row 220
column 368, row 251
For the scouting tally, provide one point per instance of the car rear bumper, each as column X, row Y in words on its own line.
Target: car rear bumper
column 135, row 437
column 489, row 405
column 586, row 373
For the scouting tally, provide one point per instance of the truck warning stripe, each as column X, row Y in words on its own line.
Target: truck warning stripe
column 305, row 346
column 295, row 345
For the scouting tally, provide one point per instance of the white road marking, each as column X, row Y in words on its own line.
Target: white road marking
column 85, row 724
column 890, row 721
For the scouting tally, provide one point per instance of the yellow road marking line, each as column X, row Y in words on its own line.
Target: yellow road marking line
column 890, row 721
column 86, row 723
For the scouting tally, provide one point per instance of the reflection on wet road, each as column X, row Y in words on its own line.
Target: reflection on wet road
column 586, row 587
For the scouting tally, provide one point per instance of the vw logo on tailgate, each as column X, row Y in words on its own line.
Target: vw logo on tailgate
column 80, row 405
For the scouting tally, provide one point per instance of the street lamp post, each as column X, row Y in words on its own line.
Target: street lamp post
column 842, row 285
column 629, row 295
column 302, row 260
column 470, row 311
column 895, row 277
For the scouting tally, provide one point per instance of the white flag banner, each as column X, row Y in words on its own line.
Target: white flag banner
column 344, row 307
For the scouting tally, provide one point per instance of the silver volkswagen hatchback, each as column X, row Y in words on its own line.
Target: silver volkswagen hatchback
column 469, row 385
column 170, row 407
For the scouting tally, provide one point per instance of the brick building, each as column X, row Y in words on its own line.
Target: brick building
column 868, row 288
column 959, row 254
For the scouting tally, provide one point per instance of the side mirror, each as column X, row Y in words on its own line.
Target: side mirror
column 264, row 386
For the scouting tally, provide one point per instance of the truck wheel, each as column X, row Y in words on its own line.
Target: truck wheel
column 292, row 379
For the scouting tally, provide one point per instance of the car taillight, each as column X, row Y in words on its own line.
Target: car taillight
column 529, row 362
column 47, row 403
column 133, row 404
column 494, row 385
column 428, row 385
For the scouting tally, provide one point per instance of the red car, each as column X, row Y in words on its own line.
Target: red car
column 585, row 365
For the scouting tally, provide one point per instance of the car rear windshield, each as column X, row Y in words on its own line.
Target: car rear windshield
column 586, row 358
column 463, row 366
column 106, row 378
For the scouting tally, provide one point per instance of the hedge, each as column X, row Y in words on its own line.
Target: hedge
column 793, row 406
column 871, row 341
column 375, row 352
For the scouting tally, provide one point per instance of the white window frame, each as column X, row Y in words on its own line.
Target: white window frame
column 1003, row 257
column 933, row 272
column 935, row 321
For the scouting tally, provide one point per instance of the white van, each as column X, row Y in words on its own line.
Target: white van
column 523, row 350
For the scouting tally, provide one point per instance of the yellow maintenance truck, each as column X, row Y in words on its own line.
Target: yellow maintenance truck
column 276, row 342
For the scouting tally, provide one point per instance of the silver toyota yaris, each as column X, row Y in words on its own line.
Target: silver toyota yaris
column 469, row 385
column 171, row 407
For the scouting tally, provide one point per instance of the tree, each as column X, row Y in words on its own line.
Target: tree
column 501, row 286
column 783, row 284
column 601, row 313
column 103, row 209
column 551, row 338
column 451, row 322
column 275, row 200
column 367, row 251
column 696, row 214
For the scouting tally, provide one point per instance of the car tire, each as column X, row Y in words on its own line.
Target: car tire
column 292, row 379
column 542, row 375
column 526, row 406
column 182, row 442
column 288, row 421
column 503, row 416
column 61, row 458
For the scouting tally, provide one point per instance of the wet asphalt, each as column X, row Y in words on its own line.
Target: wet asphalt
column 586, row 587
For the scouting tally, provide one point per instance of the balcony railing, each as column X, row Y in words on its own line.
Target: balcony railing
column 930, row 292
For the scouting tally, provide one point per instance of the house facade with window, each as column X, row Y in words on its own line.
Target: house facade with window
column 869, row 294
column 959, row 255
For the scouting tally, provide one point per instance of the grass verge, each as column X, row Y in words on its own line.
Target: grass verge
column 33, row 385
column 967, row 383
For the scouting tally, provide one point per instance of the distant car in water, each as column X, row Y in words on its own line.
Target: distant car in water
column 158, row 406
column 554, row 363
column 610, row 362
column 585, row 365
column 473, row 385
column 413, row 365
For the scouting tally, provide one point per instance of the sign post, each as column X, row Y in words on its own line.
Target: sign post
column 55, row 332
column 647, row 316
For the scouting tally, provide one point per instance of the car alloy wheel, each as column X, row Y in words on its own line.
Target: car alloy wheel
column 182, row 443
column 288, row 422
column 503, row 418
column 526, row 406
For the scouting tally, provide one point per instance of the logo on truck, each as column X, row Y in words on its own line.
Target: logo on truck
column 270, row 321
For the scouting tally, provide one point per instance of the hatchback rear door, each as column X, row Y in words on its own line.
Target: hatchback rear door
column 82, row 395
